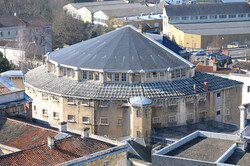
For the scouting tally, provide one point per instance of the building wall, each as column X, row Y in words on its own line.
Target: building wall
column 103, row 18
column 14, row 55
column 10, row 32
column 111, row 118
column 117, row 159
column 85, row 14
column 13, row 110
column 12, row 96
column 70, row 10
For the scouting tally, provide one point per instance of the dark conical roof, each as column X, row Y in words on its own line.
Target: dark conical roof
column 123, row 50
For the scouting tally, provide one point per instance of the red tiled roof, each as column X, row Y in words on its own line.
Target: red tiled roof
column 3, row 89
column 65, row 150
column 209, row 69
column 22, row 135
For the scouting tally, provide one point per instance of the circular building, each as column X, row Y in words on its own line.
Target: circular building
column 124, row 83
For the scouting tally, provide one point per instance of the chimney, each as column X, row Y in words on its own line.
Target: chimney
column 140, row 28
column 51, row 142
column 62, row 126
column 194, row 87
column 206, row 86
column 243, row 116
column 215, row 66
column 85, row 133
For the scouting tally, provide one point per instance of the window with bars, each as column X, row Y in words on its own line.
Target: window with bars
column 84, row 75
column 91, row 75
column 156, row 120
column 69, row 72
column 109, row 76
column 71, row 118
column 117, row 75
column 172, row 119
column 124, row 77
column 97, row 76
column 104, row 121
column 148, row 76
column 85, row 119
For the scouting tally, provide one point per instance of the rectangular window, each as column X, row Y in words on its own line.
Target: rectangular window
column 70, row 100
column 103, row 104
column 45, row 112
column 97, row 76
column 183, row 72
column 91, row 75
column 189, row 116
column 84, row 75
column 55, row 98
column 177, row 74
column 176, row 18
column 109, row 76
column 156, row 24
column 148, row 76
column 154, row 76
column 34, row 108
column 213, row 17
column 104, row 121
column 8, row 32
column 85, row 119
column 194, row 17
column 44, row 95
column 248, row 88
column 138, row 112
column 106, row 163
column 241, row 15
column 117, row 75
column 73, row 73
column 156, row 120
column 69, row 72
column 218, row 95
column 55, row 115
column 124, row 77
column 249, row 15
column 119, row 121
column 85, row 102
column 138, row 133
column 71, row 118
column 64, row 71
column 184, row 18
column 162, row 75
column 232, row 16
column 1, row 33
column 172, row 119
column 222, row 16
column 203, row 17
column 173, row 74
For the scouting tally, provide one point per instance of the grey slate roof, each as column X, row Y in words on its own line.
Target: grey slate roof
column 121, row 50
column 49, row 82
column 10, row 21
column 222, row 28
column 96, row 4
column 205, row 9
column 140, row 101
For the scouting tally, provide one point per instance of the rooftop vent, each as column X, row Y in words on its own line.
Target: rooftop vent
column 51, row 142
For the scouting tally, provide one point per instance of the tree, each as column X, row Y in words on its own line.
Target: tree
column 4, row 63
column 67, row 30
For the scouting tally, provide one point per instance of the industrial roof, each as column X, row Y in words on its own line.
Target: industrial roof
column 65, row 150
column 222, row 28
column 13, row 73
column 7, row 85
column 96, row 4
column 123, row 50
column 50, row 83
column 22, row 135
column 207, row 9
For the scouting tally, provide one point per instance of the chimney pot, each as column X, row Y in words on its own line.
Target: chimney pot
column 51, row 142
column 62, row 126
column 195, row 87
column 85, row 133
column 206, row 86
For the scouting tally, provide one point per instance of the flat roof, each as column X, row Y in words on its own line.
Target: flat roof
column 202, row 148
column 239, row 158
column 223, row 28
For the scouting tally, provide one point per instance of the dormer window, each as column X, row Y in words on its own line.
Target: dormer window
column 84, row 75
column 124, row 77
column 97, row 76
column 69, row 72
column 117, row 77
column 109, row 76
column 154, row 76
column 91, row 75
column 148, row 76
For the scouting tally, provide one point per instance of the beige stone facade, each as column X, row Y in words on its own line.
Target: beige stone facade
column 117, row 118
